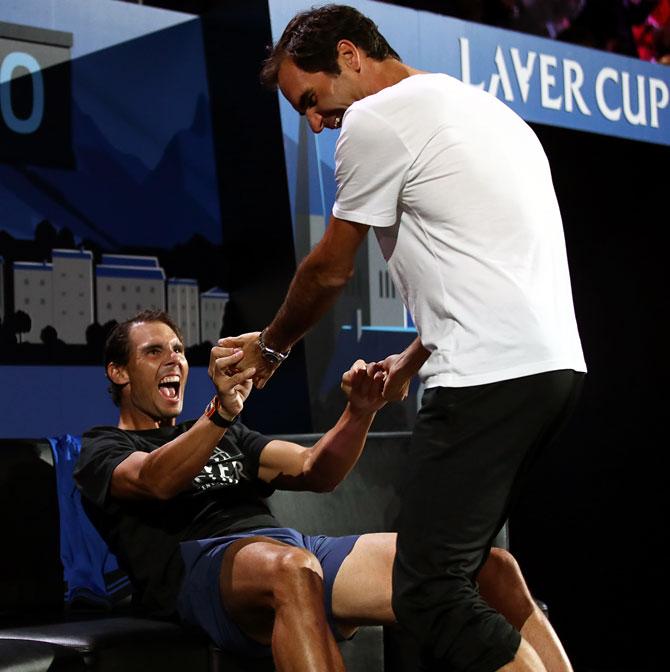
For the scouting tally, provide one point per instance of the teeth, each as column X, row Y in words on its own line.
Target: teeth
column 169, row 379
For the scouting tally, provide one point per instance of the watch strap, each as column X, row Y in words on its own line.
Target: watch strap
column 212, row 412
column 274, row 356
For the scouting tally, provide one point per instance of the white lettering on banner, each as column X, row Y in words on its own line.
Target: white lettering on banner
column 14, row 60
column 523, row 72
column 465, row 62
column 547, row 81
column 501, row 77
column 618, row 95
column 573, row 80
column 657, row 87
column 641, row 117
column 605, row 75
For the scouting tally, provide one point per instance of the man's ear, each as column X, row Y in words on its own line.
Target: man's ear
column 349, row 54
column 117, row 374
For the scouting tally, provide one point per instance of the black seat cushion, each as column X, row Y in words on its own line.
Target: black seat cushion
column 123, row 643
column 19, row 655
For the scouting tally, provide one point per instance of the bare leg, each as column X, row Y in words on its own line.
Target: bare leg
column 274, row 592
column 362, row 594
column 502, row 585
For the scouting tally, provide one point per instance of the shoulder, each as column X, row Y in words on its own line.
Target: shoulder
column 417, row 93
column 103, row 435
column 104, row 443
column 249, row 442
column 395, row 119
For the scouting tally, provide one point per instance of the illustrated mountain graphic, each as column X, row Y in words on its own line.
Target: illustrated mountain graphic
column 113, row 198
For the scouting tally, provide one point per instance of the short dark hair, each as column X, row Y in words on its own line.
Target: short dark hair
column 311, row 37
column 117, row 345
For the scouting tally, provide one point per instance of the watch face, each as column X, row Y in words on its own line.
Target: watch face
column 272, row 357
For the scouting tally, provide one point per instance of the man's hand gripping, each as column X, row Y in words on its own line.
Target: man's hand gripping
column 232, row 387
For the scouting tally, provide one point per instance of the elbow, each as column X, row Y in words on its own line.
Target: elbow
column 336, row 279
column 313, row 481
column 324, row 487
column 163, row 493
column 321, row 483
column 328, row 275
column 161, row 489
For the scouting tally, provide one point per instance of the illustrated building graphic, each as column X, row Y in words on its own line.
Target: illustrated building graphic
column 126, row 284
column 73, row 310
column 71, row 293
column 183, row 300
column 33, row 294
column 212, row 306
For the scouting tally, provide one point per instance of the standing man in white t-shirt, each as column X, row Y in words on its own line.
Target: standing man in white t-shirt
column 460, row 195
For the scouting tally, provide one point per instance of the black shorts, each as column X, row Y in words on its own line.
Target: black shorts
column 471, row 448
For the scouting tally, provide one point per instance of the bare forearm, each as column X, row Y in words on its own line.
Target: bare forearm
column 413, row 357
column 171, row 468
column 318, row 282
column 338, row 450
column 312, row 292
column 401, row 368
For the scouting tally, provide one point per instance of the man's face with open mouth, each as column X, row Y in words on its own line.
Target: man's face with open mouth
column 157, row 372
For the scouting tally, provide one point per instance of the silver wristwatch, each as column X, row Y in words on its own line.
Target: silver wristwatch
column 273, row 356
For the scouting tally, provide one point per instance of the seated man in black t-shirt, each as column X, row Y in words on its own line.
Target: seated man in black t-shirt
column 182, row 507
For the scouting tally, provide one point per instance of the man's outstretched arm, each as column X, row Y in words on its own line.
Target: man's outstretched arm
column 170, row 469
column 318, row 281
column 320, row 468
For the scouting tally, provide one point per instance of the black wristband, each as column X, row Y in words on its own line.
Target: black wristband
column 212, row 412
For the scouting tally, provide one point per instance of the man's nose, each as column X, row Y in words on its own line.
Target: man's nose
column 315, row 120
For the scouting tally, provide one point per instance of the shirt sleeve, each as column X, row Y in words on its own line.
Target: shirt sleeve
column 251, row 444
column 102, row 450
column 371, row 167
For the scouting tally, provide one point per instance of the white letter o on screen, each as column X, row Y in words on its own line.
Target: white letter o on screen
column 19, row 59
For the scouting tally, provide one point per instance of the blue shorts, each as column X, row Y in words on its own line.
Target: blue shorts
column 199, row 601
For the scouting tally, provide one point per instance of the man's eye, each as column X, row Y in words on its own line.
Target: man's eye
column 311, row 101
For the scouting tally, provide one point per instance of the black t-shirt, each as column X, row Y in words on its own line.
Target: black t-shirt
column 226, row 497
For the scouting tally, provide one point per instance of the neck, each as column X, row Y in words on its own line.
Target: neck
column 388, row 72
column 136, row 420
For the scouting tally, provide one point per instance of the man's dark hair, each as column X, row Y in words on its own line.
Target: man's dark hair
column 117, row 345
column 311, row 37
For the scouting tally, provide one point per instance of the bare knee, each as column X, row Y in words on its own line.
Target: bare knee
column 504, row 564
column 297, row 573
column 502, row 585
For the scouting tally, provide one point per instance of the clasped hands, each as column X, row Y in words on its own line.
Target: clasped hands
column 236, row 363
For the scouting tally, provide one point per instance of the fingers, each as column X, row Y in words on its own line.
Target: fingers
column 221, row 358
column 222, row 370
column 238, row 341
column 233, row 389
column 225, row 351
column 364, row 378
column 243, row 377
column 262, row 377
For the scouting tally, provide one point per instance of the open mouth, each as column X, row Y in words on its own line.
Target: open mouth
column 169, row 387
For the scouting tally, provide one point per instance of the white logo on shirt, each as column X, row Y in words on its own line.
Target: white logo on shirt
column 223, row 469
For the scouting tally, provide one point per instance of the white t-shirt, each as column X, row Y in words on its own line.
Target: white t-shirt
column 460, row 193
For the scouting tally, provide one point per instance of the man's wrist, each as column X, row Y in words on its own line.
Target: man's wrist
column 217, row 414
column 272, row 355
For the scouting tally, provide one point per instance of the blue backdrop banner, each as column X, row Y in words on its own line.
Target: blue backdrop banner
column 544, row 80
